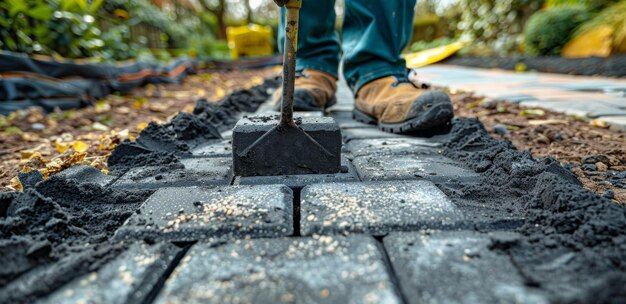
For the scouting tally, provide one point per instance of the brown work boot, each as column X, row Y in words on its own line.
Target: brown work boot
column 315, row 91
column 399, row 106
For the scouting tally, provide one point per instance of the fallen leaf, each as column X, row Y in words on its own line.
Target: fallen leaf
column 142, row 125
column 157, row 107
column 61, row 147
column 201, row 92
column 599, row 123
column 13, row 130
column 139, row 102
column 29, row 136
column 102, row 106
column 28, row 154
column 537, row 122
column 16, row 184
column 520, row 67
column 219, row 93
column 122, row 110
column 532, row 113
column 80, row 146
column 96, row 126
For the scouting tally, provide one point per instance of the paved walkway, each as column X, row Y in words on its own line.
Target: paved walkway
column 589, row 97
column 381, row 231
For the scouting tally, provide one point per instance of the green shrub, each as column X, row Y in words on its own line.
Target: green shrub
column 425, row 45
column 495, row 27
column 64, row 27
column 548, row 31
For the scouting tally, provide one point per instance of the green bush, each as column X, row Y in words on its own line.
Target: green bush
column 108, row 30
column 425, row 45
column 495, row 27
column 64, row 27
column 548, row 31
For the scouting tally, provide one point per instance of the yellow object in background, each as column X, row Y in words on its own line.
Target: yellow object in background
column 595, row 42
column 430, row 56
column 249, row 40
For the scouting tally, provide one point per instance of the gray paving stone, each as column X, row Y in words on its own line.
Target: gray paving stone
column 269, row 110
column 514, row 98
column 227, row 134
column 391, row 146
column 297, row 182
column 456, row 267
column 196, row 172
column 219, row 213
column 353, row 124
column 585, row 108
column 342, row 106
column 398, row 167
column 326, row 269
column 375, row 207
column 127, row 279
column 218, row 148
column 366, row 133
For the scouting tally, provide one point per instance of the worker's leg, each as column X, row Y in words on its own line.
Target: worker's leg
column 374, row 34
column 318, row 44
column 317, row 59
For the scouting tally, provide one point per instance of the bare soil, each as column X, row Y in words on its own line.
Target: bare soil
column 30, row 139
column 592, row 151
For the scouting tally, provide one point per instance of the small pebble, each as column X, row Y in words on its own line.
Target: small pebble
column 592, row 159
column 601, row 167
column 589, row 167
column 37, row 126
column 500, row 129
column 489, row 104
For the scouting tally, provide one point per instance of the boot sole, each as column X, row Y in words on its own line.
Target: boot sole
column 436, row 116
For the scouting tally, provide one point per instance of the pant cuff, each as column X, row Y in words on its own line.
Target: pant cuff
column 302, row 64
column 356, row 83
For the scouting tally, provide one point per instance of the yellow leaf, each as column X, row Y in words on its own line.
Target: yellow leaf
column 532, row 112
column 139, row 103
column 599, row 123
column 61, row 147
column 142, row 125
column 256, row 80
column 520, row 67
column 102, row 106
column 16, row 184
column 219, row 93
column 28, row 154
column 80, row 146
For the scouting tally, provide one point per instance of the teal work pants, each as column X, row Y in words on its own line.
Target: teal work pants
column 374, row 33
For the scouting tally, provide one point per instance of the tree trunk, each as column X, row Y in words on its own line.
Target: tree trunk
column 221, row 19
column 220, row 14
column 248, row 11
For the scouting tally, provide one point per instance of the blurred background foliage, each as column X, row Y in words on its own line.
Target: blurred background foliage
column 113, row 30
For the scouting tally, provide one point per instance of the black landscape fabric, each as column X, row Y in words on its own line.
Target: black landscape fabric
column 47, row 83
